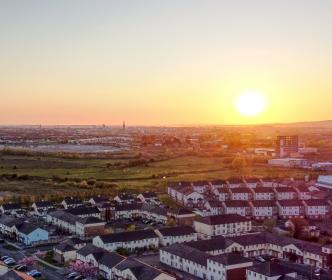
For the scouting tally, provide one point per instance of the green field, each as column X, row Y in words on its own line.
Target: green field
column 152, row 175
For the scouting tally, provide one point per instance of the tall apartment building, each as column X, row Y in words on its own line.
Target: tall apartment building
column 287, row 145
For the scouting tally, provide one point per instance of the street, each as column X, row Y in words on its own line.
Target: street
column 48, row 272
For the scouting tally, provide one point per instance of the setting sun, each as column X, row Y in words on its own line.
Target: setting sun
column 251, row 103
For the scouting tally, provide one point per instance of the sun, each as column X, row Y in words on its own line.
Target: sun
column 251, row 103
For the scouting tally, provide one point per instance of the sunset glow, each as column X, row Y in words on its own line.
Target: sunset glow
column 251, row 103
column 187, row 62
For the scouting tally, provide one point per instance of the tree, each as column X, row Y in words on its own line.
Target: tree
column 269, row 224
column 131, row 228
column 171, row 222
column 28, row 261
column 297, row 226
column 85, row 269
column 239, row 163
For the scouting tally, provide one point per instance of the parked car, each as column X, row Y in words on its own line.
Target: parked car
column 3, row 258
column 34, row 273
column 10, row 262
column 260, row 259
column 72, row 275
column 21, row 267
column 317, row 272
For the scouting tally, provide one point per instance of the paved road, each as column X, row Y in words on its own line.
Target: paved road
column 48, row 272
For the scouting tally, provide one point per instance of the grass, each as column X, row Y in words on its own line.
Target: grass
column 152, row 175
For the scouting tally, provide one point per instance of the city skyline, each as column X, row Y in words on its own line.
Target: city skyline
column 164, row 62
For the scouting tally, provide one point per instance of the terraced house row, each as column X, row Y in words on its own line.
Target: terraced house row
column 227, row 258
column 262, row 209
column 259, row 199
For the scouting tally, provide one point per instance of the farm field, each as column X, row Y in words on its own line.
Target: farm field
column 154, row 175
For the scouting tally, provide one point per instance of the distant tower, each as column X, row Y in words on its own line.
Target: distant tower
column 124, row 125
column 287, row 145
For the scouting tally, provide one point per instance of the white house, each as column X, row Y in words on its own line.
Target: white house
column 136, row 270
column 126, row 211
column 225, row 225
column 285, row 193
column 316, row 208
column 98, row 200
column 269, row 271
column 222, row 193
column 14, row 209
column 215, row 207
column 240, row 207
column 41, row 208
column 132, row 240
column 241, row 193
column 124, row 198
column 290, row 208
column 263, row 209
column 303, row 192
column 202, row 265
column 65, row 251
column 148, row 197
column 71, row 202
column 30, row 234
column 173, row 235
column 185, row 258
column 263, row 193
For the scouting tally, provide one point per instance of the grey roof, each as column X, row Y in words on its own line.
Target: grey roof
column 148, row 194
column 241, row 190
column 316, row 202
column 184, row 251
column 89, row 220
column 128, row 207
column 263, row 203
column 154, row 209
column 27, row 228
column 215, row 203
column 72, row 200
column 263, row 190
column 176, row 231
column 141, row 270
column 83, row 211
column 110, row 259
column 222, row 219
column 181, row 211
column 290, row 203
column 218, row 182
column 100, row 199
column 236, row 203
column 128, row 236
column 64, row 247
column 285, row 189
column 265, row 237
column 10, row 221
column 90, row 249
column 209, row 245
column 64, row 216
column 11, row 206
column 125, row 196
column 43, row 203
column 230, row 259
column 271, row 269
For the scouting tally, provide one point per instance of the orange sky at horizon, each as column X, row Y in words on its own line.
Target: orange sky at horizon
column 185, row 63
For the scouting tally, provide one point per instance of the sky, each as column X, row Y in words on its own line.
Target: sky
column 158, row 62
